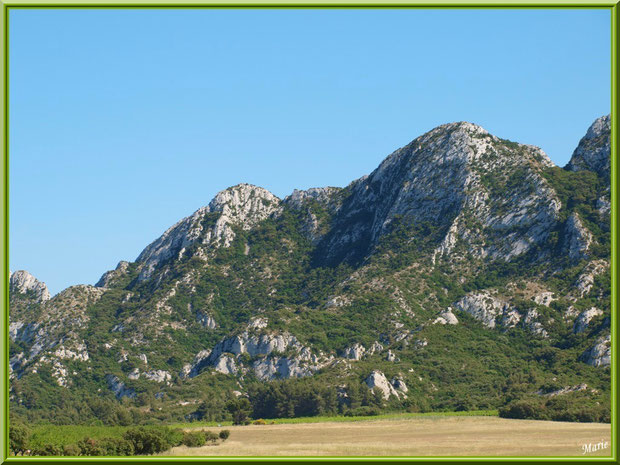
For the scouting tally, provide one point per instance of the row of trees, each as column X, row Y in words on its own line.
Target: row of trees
column 134, row 441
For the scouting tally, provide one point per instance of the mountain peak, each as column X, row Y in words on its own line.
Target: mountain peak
column 243, row 205
column 462, row 125
column 21, row 281
column 247, row 198
column 593, row 151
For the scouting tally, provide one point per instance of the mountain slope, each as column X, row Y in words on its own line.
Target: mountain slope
column 466, row 271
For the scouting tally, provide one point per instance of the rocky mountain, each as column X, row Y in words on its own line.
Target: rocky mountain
column 22, row 282
column 594, row 148
column 466, row 271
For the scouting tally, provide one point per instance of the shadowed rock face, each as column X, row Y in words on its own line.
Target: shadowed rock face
column 594, row 149
column 599, row 355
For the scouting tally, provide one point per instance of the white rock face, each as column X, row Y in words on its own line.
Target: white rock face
column 599, row 355
column 584, row 318
column 243, row 205
column 134, row 374
column 258, row 323
column 355, row 352
column 577, row 239
column 22, row 282
column 375, row 348
column 323, row 195
column 377, row 380
column 282, row 368
column 531, row 323
column 391, row 357
column 564, row 390
column 78, row 352
column 585, row 281
column 159, row 376
column 265, row 345
column 225, row 364
column 594, row 149
column 254, row 345
column 544, row 298
column 446, row 318
column 511, row 318
column 483, row 306
column 206, row 320
column 337, row 301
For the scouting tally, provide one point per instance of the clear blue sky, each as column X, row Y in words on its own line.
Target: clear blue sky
column 123, row 122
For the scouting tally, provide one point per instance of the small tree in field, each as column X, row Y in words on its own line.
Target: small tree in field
column 224, row 434
column 240, row 410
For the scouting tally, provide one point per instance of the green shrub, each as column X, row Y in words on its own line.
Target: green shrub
column 71, row 450
column 147, row 441
column 48, row 450
column 362, row 412
column 116, row 446
column 90, row 447
column 19, row 436
column 196, row 439
column 210, row 436
column 224, row 434
column 522, row 409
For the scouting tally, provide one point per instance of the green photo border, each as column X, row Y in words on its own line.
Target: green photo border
column 7, row 5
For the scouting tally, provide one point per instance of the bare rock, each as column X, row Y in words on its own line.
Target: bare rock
column 23, row 282
column 584, row 318
column 594, row 149
column 577, row 239
column 483, row 306
column 599, row 355
column 377, row 381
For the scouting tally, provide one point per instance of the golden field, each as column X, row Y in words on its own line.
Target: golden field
column 424, row 436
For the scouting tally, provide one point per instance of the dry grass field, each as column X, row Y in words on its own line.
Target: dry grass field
column 428, row 436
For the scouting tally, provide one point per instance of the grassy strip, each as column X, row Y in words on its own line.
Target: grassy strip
column 386, row 416
column 340, row 418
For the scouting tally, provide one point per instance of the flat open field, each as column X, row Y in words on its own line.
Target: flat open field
column 421, row 436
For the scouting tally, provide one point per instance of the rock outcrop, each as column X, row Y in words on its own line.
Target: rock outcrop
column 23, row 282
column 118, row 387
column 377, row 380
column 584, row 318
column 446, row 318
column 577, row 239
column 483, row 306
column 593, row 151
column 109, row 278
column 241, row 206
column 599, row 355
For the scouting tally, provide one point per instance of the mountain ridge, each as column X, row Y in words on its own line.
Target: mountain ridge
column 457, row 236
